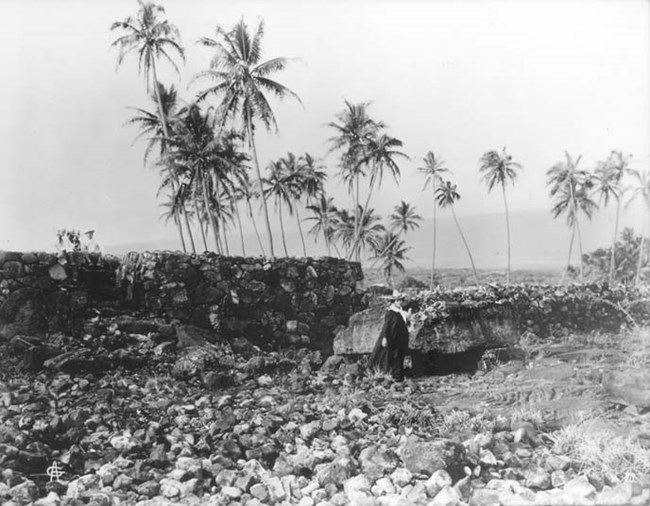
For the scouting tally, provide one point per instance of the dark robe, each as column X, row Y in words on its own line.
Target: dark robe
column 390, row 358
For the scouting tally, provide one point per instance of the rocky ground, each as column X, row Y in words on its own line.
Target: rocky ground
column 143, row 412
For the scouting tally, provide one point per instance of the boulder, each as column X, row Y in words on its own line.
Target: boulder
column 632, row 386
column 361, row 333
column 426, row 457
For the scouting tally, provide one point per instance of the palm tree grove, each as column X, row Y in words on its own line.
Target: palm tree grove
column 325, row 253
column 212, row 180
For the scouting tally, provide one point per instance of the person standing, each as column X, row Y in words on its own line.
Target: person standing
column 392, row 343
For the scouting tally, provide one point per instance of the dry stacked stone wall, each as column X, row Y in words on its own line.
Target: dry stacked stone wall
column 41, row 293
column 273, row 303
column 281, row 302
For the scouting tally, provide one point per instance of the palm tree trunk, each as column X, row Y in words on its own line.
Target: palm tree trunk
column 568, row 263
column 241, row 231
column 163, row 123
column 224, row 243
column 257, row 233
column 302, row 237
column 433, row 260
column 206, row 203
column 180, row 231
column 639, row 262
column 357, row 236
column 198, row 215
column 505, row 203
column 189, row 231
column 582, row 274
column 251, row 141
column 612, row 257
column 284, row 240
column 462, row 236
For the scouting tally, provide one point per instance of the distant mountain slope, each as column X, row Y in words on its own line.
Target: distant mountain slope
column 538, row 241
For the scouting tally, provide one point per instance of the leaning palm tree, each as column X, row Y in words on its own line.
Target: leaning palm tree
column 640, row 189
column 609, row 175
column 570, row 190
column 447, row 195
column 370, row 228
column 241, row 79
column 499, row 169
column 324, row 216
column 433, row 170
column 151, row 38
column 391, row 251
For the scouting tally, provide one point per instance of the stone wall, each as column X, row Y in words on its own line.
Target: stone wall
column 273, row 303
column 282, row 301
column 41, row 293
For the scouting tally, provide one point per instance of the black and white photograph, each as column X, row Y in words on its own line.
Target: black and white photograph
column 324, row 252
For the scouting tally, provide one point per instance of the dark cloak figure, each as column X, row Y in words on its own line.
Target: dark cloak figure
column 392, row 343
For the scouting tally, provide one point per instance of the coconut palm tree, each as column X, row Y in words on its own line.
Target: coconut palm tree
column 403, row 220
column 370, row 230
column 278, row 185
column 294, row 174
column 354, row 128
column 381, row 153
column 325, row 216
column 447, row 195
column 608, row 176
column 498, row 169
column 152, row 38
column 570, row 190
column 391, row 250
column 241, row 79
column 433, row 170
column 249, row 193
column 640, row 189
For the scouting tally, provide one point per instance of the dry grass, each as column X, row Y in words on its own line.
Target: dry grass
column 602, row 452
column 458, row 421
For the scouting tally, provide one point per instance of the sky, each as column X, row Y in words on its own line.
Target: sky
column 455, row 78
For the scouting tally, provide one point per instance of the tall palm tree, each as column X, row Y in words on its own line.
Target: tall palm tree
column 278, row 185
column 570, row 190
column 447, row 195
column 249, row 193
column 152, row 38
column 641, row 189
column 381, row 153
column 401, row 221
column 294, row 180
column 433, row 170
column 241, row 79
column 325, row 216
column 391, row 250
column 498, row 169
column 354, row 128
column 609, row 175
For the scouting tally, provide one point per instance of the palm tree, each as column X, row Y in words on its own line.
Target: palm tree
column 381, row 154
column 249, row 193
column 609, row 175
column 278, row 186
column 499, row 169
column 641, row 189
column 294, row 174
column 392, row 251
column 370, row 230
column 354, row 130
column 570, row 191
column 433, row 170
column 403, row 219
column 447, row 195
column 241, row 79
column 325, row 218
column 151, row 38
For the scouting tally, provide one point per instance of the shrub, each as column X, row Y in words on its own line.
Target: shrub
column 411, row 282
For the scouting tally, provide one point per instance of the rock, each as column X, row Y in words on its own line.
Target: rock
column 361, row 333
column 426, row 457
column 24, row 492
column 484, row 497
column 558, row 479
column 631, row 385
column 383, row 486
column 437, row 481
column 125, row 442
column 158, row 455
column 448, row 496
column 190, row 335
column 401, row 477
column 122, row 481
column 74, row 361
column 332, row 363
column 580, row 487
column 149, row 488
column 487, row 458
column 276, row 489
column 171, row 488
column 538, row 478
column 83, row 484
column 558, row 462
column 336, row 472
column 376, row 461
column 309, row 430
column 357, row 483
column 260, row 492
column 57, row 273
column 231, row 492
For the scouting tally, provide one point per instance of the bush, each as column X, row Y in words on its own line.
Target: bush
column 411, row 282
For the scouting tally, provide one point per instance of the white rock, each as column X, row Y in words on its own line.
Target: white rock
column 580, row 487
column 383, row 486
column 358, row 483
column 448, row 496
column 401, row 476
column 437, row 481
column 171, row 488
